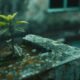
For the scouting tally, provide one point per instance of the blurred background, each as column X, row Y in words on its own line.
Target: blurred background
column 55, row 19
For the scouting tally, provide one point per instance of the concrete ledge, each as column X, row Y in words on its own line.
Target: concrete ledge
column 60, row 55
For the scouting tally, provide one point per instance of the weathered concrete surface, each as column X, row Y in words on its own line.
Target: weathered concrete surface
column 53, row 61
column 61, row 63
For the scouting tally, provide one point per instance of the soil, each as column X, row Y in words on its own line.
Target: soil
column 4, row 51
column 6, row 57
column 16, row 64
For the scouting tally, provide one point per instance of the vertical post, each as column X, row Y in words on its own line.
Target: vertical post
column 79, row 4
column 65, row 5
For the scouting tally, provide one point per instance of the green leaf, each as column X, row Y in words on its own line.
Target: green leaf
column 11, row 17
column 8, row 17
column 3, row 24
column 20, row 29
column 14, row 14
column 3, row 31
column 3, row 17
column 21, row 22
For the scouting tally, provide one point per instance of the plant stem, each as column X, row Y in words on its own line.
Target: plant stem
column 12, row 43
column 11, row 30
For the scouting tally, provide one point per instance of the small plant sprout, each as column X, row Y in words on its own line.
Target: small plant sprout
column 8, row 22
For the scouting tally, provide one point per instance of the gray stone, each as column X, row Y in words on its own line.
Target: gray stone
column 60, row 55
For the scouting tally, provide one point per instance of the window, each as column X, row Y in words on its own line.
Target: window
column 63, row 5
column 56, row 3
column 73, row 3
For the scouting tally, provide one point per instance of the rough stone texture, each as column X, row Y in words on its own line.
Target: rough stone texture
column 53, row 61
column 61, row 63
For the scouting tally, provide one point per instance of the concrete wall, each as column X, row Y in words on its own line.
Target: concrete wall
column 40, row 20
column 37, row 10
column 45, row 22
